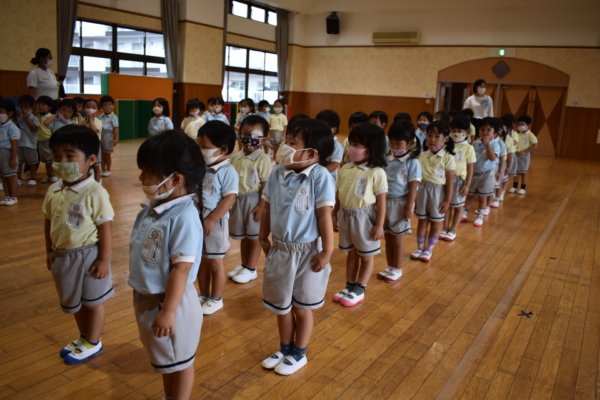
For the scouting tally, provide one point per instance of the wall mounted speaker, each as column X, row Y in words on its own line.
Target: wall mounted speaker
column 333, row 24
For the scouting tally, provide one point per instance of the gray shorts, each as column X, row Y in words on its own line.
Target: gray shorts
column 513, row 167
column 355, row 230
column 45, row 152
column 395, row 223
column 429, row 198
column 457, row 200
column 497, row 181
column 73, row 281
column 289, row 279
column 482, row 183
column 241, row 221
column 276, row 138
column 5, row 169
column 106, row 143
column 28, row 155
column 177, row 352
column 217, row 243
column 99, row 160
column 523, row 162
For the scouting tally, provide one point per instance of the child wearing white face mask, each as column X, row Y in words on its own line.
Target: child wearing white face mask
column 526, row 143
column 160, row 122
column 246, row 109
column 193, row 118
column 217, row 114
column 9, row 147
column 219, row 190
column 90, row 108
column 277, row 126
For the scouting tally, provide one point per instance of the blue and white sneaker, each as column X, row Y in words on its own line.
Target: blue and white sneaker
column 70, row 347
column 289, row 365
column 273, row 360
column 82, row 353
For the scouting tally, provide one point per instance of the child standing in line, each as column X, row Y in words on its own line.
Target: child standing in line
column 486, row 151
column 78, row 231
column 193, row 120
column 219, row 189
column 355, row 119
column 160, row 122
column 91, row 121
column 80, row 114
column 359, row 212
column 277, row 126
column 472, row 131
column 511, row 148
column 332, row 119
column 296, row 117
column 28, row 124
column 501, row 164
column 403, row 176
column 423, row 120
column 9, row 148
column 209, row 108
column 527, row 142
column 297, row 267
column 436, row 189
column 380, row 119
column 44, row 105
column 464, row 157
column 165, row 245
column 110, row 133
column 246, row 108
column 264, row 109
column 253, row 167
column 442, row 116
column 66, row 115
column 217, row 114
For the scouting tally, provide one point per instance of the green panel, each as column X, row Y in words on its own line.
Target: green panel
column 104, row 84
column 125, row 114
column 142, row 114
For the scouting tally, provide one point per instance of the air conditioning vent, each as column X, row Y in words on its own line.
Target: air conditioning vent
column 396, row 37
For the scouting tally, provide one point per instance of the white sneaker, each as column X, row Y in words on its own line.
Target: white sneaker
column 521, row 191
column 54, row 179
column 478, row 221
column 203, row 299
column 450, row 236
column 235, row 271
column 31, row 183
column 501, row 196
column 2, row 202
column 512, row 190
column 273, row 360
column 486, row 211
column 105, row 173
column 46, row 179
column 10, row 202
column 495, row 203
column 383, row 273
column 289, row 365
column 393, row 275
column 82, row 353
column 352, row 299
column 70, row 347
column 416, row 255
column 465, row 216
column 19, row 182
column 341, row 295
column 211, row 306
column 245, row 276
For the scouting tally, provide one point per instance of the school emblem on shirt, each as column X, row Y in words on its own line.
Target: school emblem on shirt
column 459, row 155
column 208, row 188
column 403, row 176
column 439, row 172
column 253, row 177
column 524, row 140
column 152, row 245
column 75, row 217
column 303, row 200
column 361, row 186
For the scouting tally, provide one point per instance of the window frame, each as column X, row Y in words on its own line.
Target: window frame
column 247, row 71
column 114, row 55
column 251, row 4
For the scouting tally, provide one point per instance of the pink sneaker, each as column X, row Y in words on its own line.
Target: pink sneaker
column 426, row 255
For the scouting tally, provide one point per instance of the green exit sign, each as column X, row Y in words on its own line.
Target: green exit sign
column 501, row 52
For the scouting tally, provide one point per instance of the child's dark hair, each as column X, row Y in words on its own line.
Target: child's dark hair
column 525, row 118
column 403, row 117
column 501, row 130
column 442, row 128
column 26, row 99
column 492, row 123
column 164, row 104
column 46, row 100
column 331, row 118
column 93, row 101
column 256, row 120
column 107, row 99
column 356, row 118
column 76, row 137
column 9, row 106
column 280, row 102
column 478, row 83
column 210, row 101
column 219, row 101
column 443, row 116
column 468, row 112
column 461, row 122
column 404, row 131
column 380, row 115
column 315, row 135
column 425, row 114
column 79, row 100
column 69, row 103
column 373, row 138
column 220, row 134
column 508, row 120
column 174, row 152
column 263, row 103
column 296, row 118
column 250, row 103
column 192, row 103
column 453, row 113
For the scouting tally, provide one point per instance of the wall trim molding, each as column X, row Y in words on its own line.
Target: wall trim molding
column 251, row 37
column 201, row 24
column 446, row 45
column 359, row 94
column 119, row 10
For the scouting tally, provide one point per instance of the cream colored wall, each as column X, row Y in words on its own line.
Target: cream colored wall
column 148, row 7
column 245, row 41
column 412, row 71
column 201, row 53
column 118, row 17
column 26, row 26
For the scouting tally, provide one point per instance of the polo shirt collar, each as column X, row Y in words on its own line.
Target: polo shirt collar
column 170, row 204
column 253, row 156
column 463, row 142
column 78, row 187
column 7, row 123
column 439, row 153
column 404, row 158
column 219, row 165
column 305, row 171
column 364, row 166
column 524, row 133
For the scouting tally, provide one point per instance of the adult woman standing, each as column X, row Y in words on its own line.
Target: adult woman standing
column 481, row 104
column 41, row 81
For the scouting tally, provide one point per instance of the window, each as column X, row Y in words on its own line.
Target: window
column 103, row 48
column 250, row 73
column 252, row 11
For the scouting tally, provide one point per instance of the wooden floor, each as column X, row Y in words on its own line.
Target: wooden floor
column 450, row 329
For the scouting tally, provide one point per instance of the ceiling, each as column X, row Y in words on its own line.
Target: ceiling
column 321, row 6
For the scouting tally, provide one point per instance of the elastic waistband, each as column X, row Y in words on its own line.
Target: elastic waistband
column 428, row 185
column 65, row 252
column 484, row 172
column 396, row 198
column 239, row 196
column 351, row 212
column 297, row 247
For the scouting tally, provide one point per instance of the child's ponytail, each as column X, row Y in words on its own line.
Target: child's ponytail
column 450, row 145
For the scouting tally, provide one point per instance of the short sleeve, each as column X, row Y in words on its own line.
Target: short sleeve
column 496, row 148
column 264, row 168
column 414, row 171
column 471, row 156
column 338, row 152
column 14, row 133
column 32, row 79
column 150, row 125
column 380, row 184
column 324, row 188
column 183, row 124
column 229, row 182
column 34, row 120
column 98, row 124
column 449, row 163
column 285, row 121
column 490, row 107
column 185, row 236
column 168, row 123
column 102, row 210
column 266, row 194
column 271, row 120
column 115, row 121
column 532, row 138
column 46, row 209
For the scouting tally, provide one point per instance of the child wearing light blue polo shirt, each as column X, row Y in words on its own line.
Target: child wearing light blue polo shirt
column 160, row 122
column 300, row 194
column 219, row 190
column 164, row 257
column 332, row 119
column 217, row 114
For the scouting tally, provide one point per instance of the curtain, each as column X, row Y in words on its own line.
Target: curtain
column 226, row 15
column 281, row 34
column 66, row 14
column 170, row 26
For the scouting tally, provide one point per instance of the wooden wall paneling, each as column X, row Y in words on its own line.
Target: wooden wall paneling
column 549, row 103
column 580, row 134
column 514, row 100
column 187, row 91
column 13, row 83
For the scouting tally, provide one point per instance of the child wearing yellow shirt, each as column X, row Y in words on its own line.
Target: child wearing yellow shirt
column 526, row 143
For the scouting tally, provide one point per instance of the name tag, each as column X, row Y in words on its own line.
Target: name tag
column 525, row 141
column 403, row 176
column 439, row 172
column 209, row 187
column 303, row 200
column 253, row 177
column 459, row 155
column 75, row 216
column 361, row 187
column 152, row 245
